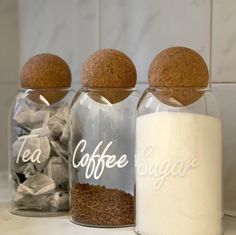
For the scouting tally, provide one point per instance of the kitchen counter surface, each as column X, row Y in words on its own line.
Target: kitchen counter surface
column 12, row 224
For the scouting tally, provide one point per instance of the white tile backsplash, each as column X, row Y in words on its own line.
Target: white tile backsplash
column 227, row 96
column 139, row 28
column 66, row 28
column 7, row 95
column 9, row 46
column 224, row 41
column 143, row 28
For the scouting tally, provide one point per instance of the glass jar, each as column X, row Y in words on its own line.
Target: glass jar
column 39, row 177
column 178, row 163
column 102, row 157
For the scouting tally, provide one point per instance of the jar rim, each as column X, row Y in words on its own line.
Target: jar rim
column 56, row 89
column 179, row 88
column 114, row 89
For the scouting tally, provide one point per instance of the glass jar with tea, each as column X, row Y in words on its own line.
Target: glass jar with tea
column 39, row 177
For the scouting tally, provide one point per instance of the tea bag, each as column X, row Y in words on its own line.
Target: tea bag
column 57, row 169
column 19, row 147
column 57, row 122
column 30, row 142
column 63, row 113
column 37, row 185
column 42, row 131
column 59, row 200
column 29, row 202
column 22, row 105
column 65, row 134
column 36, row 149
column 56, row 126
column 28, row 170
column 21, row 130
column 59, row 149
column 32, row 119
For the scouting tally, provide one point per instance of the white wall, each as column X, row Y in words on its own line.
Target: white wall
column 9, row 58
column 76, row 28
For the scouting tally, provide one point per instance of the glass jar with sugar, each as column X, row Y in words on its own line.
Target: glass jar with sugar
column 178, row 149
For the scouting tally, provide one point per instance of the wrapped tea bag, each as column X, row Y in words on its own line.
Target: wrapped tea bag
column 65, row 134
column 21, row 130
column 28, row 170
column 57, row 122
column 57, row 169
column 63, row 113
column 59, row 149
column 37, row 185
column 27, row 202
column 59, row 200
column 31, row 148
column 32, row 119
column 42, row 131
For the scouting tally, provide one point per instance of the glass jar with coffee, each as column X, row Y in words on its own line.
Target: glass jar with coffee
column 102, row 124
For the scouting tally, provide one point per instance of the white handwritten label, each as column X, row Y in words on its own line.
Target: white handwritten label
column 27, row 155
column 163, row 169
column 96, row 163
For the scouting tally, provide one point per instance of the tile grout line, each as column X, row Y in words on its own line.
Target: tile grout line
column 99, row 25
column 211, row 39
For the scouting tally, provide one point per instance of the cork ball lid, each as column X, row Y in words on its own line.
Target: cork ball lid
column 45, row 71
column 47, row 76
column 108, row 68
column 179, row 67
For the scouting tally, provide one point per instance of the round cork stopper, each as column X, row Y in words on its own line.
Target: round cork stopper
column 109, row 68
column 45, row 72
column 179, row 67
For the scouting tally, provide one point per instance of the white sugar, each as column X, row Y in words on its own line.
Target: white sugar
column 178, row 174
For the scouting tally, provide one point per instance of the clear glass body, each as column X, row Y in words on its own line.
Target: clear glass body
column 178, row 163
column 102, row 157
column 38, row 159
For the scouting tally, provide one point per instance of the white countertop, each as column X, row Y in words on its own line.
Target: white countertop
column 12, row 224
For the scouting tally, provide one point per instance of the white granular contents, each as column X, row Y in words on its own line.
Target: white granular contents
column 178, row 174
